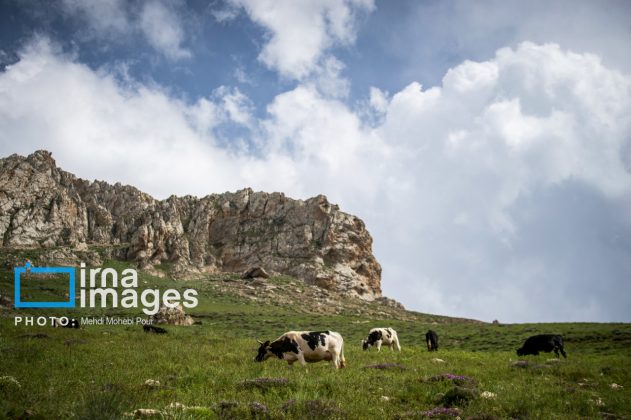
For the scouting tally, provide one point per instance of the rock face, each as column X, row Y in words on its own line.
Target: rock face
column 44, row 206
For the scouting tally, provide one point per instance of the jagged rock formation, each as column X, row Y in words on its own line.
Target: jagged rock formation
column 44, row 206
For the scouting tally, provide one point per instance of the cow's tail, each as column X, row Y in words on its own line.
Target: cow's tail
column 342, row 359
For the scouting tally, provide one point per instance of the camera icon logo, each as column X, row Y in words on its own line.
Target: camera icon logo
column 28, row 268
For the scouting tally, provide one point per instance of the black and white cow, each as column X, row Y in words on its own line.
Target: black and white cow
column 305, row 347
column 378, row 336
column 64, row 322
column 542, row 342
column 431, row 338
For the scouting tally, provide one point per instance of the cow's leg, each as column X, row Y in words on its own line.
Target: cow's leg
column 378, row 343
column 335, row 358
column 301, row 359
column 556, row 351
column 396, row 343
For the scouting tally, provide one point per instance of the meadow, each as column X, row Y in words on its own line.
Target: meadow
column 207, row 370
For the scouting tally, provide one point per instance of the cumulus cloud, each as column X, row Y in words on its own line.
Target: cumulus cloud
column 299, row 32
column 503, row 188
column 139, row 135
column 533, row 124
column 430, row 37
column 327, row 143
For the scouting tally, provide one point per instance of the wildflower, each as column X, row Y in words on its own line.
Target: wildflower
column 257, row 407
column 441, row 411
column 488, row 395
column 451, row 377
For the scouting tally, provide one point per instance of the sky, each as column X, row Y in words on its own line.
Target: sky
column 486, row 144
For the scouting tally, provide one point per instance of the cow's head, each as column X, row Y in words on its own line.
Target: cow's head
column 521, row 352
column 365, row 344
column 264, row 351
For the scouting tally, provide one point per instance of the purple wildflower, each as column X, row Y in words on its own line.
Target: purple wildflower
column 451, row 377
column 441, row 411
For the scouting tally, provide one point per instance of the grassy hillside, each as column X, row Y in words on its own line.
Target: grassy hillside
column 100, row 371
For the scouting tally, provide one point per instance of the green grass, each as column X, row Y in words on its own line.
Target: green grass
column 99, row 371
column 37, row 288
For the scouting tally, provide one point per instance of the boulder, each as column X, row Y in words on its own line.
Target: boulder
column 255, row 272
column 171, row 316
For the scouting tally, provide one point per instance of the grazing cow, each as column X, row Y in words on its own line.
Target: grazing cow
column 542, row 342
column 153, row 329
column 431, row 338
column 305, row 346
column 378, row 336
column 65, row 322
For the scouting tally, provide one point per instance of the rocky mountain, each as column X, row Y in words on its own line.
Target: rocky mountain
column 44, row 206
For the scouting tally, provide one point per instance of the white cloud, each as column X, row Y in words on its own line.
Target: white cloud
column 242, row 77
column 328, row 144
column 158, row 23
column 237, row 106
column 378, row 99
column 328, row 78
column 203, row 116
column 225, row 12
column 104, row 130
column 163, row 29
column 498, row 134
column 299, row 32
column 489, row 195
column 107, row 17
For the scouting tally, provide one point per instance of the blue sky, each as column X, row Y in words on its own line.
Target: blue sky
column 487, row 144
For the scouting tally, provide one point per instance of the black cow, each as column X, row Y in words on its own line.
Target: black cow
column 153, row 329
column 431, row 338
column 542, row 342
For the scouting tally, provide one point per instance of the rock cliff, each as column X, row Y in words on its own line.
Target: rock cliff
column 44, row 206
